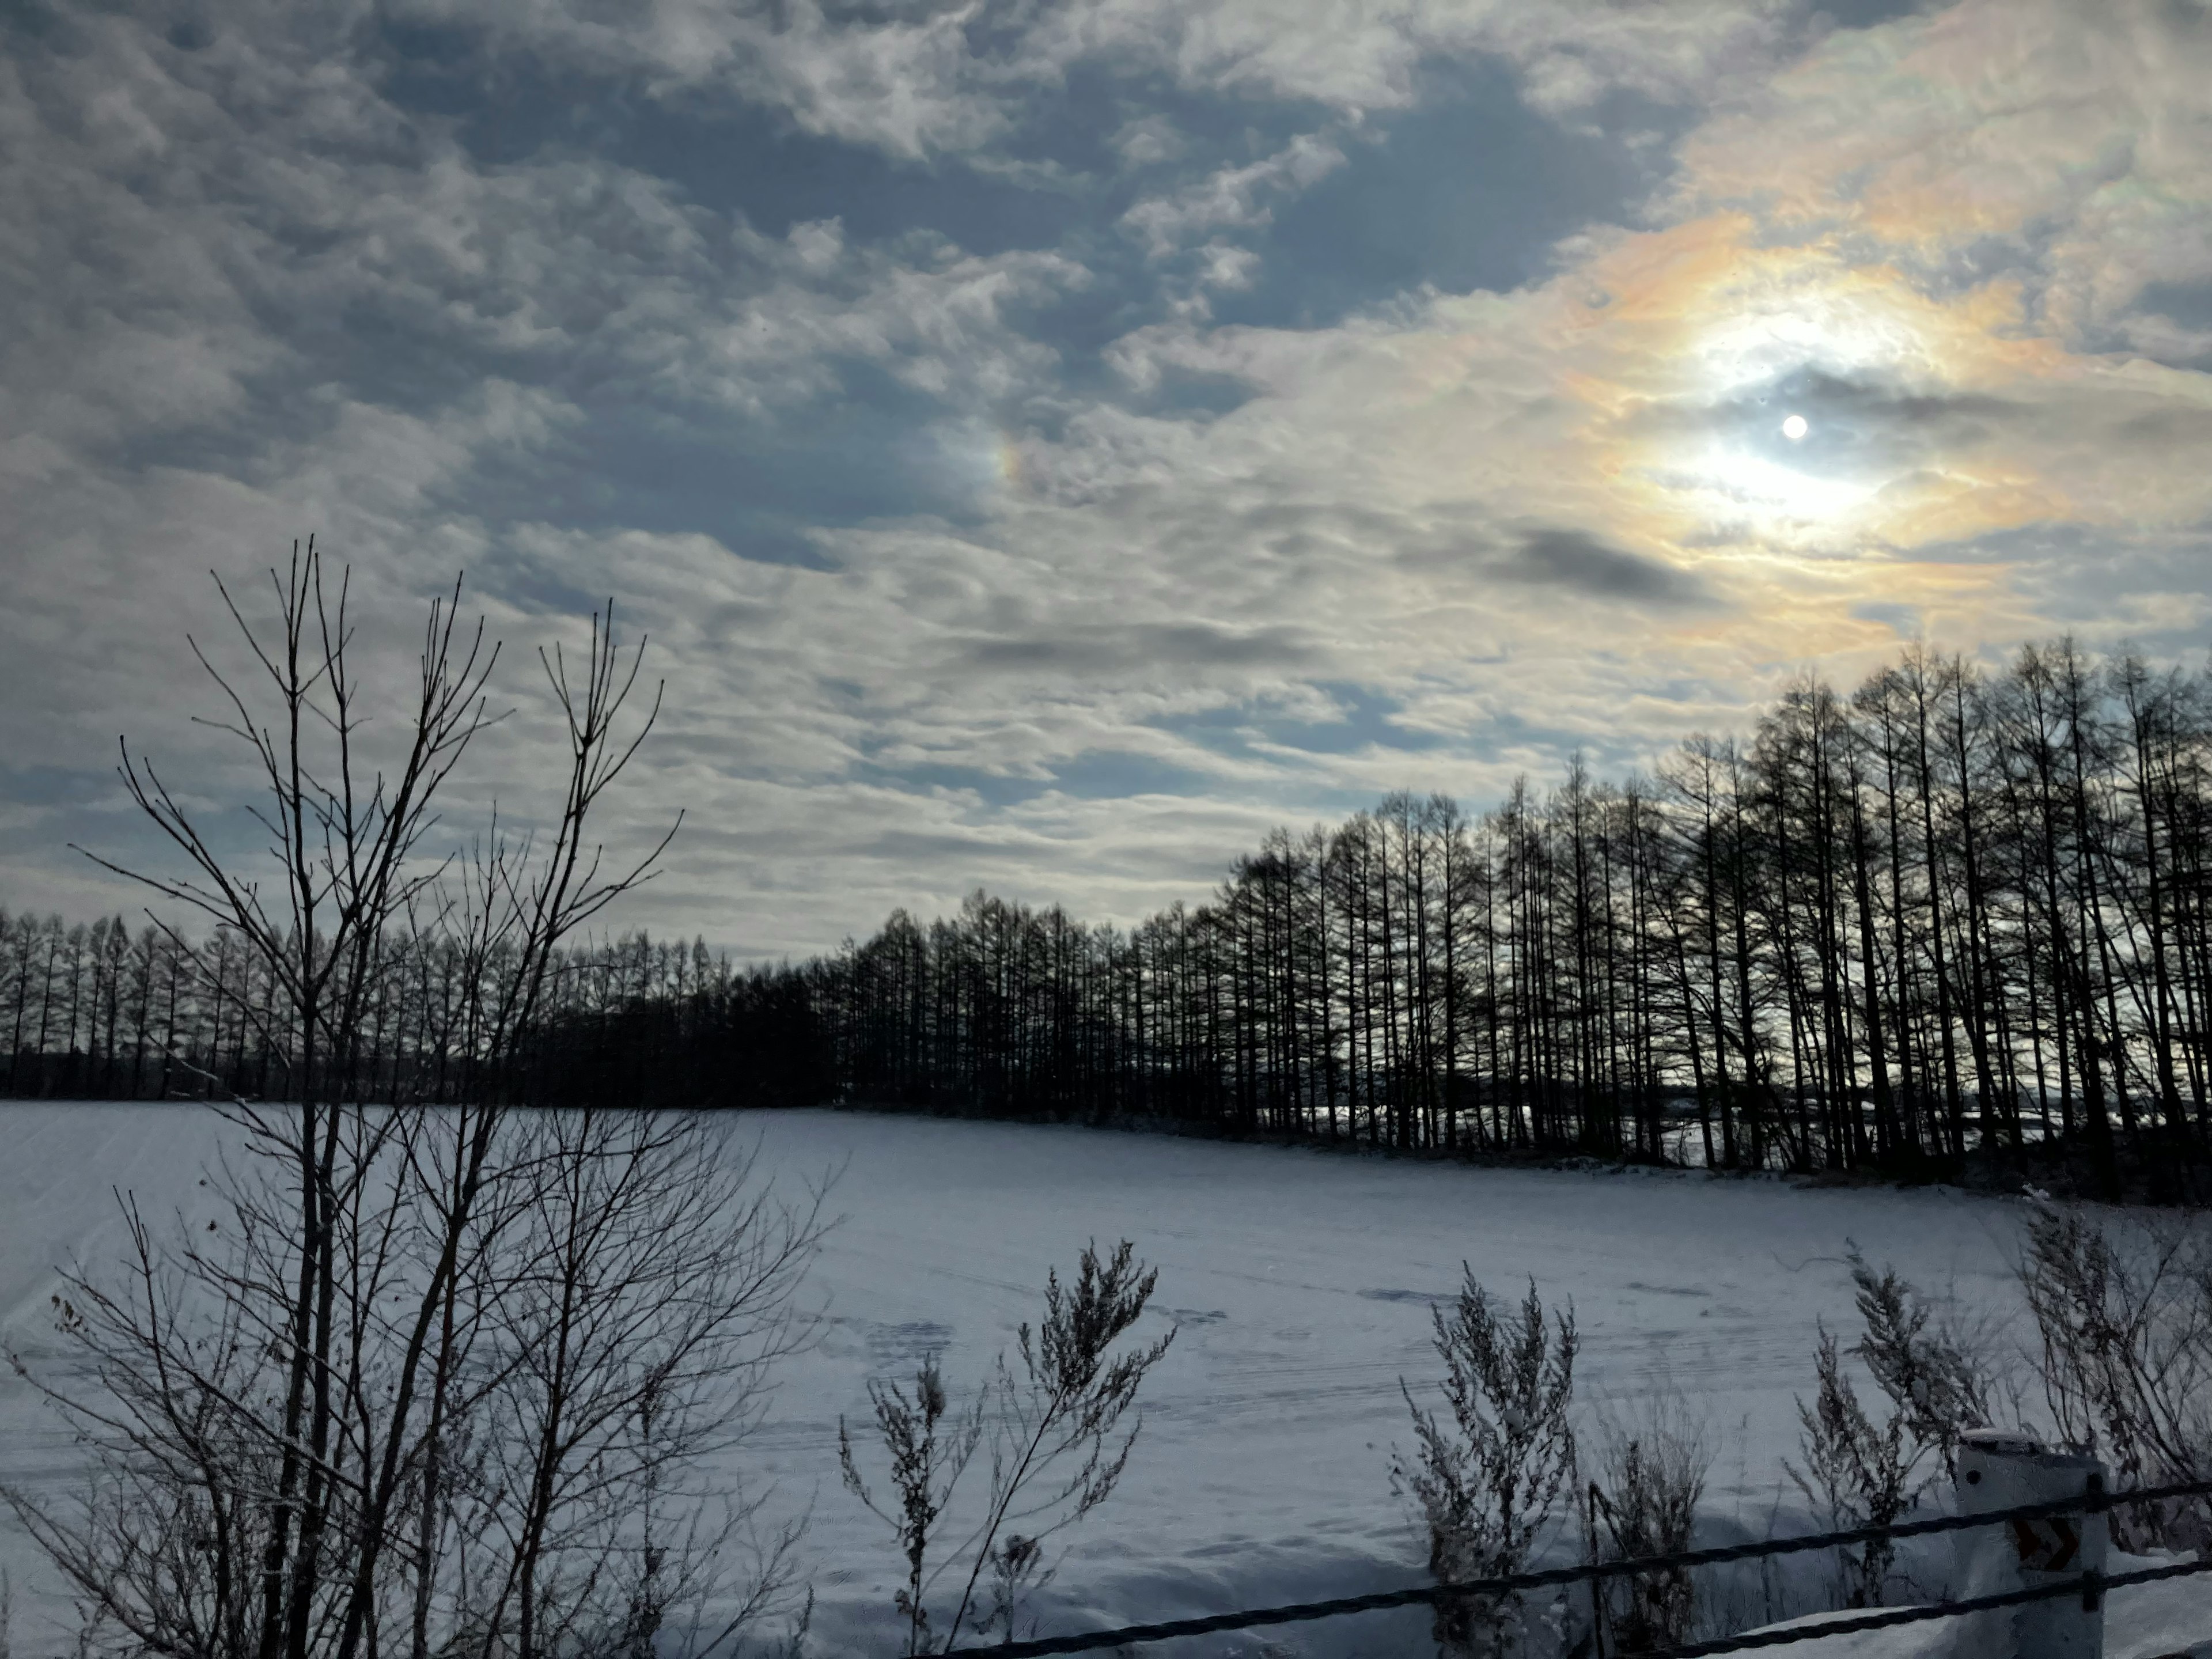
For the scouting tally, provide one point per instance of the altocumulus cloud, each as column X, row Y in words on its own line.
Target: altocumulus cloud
column 1048, row 444
column 1580, row 564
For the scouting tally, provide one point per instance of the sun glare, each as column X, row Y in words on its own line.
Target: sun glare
column 1786, row 499
column 1761, row 370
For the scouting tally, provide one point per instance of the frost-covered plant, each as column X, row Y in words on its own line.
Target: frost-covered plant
column 1057, row 1448
column 1486, row 1481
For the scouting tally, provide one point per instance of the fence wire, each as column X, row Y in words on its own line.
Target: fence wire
column 2090, row 1503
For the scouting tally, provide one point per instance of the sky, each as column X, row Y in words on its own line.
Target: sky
column 1045, row 443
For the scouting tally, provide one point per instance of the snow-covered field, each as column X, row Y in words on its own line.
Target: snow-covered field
column 1301, row 1282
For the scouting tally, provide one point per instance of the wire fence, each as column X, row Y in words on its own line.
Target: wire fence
column 2086, row 1585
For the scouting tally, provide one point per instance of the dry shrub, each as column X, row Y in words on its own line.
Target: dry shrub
column 1486, row 1481
column 2122, row 1308
column 1649, row 1480
column 1859, row 1472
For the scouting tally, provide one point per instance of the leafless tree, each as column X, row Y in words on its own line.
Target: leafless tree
column 436, row 1380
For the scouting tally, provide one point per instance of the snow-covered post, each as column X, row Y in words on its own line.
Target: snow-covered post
column 2000, row 1471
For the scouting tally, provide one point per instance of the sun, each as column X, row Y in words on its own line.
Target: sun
column 1795, row 429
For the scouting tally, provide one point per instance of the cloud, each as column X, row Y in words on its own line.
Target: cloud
column 1580, row 562
column 1062, row 535
column 908, row 82
column 1149, row 646
column 2072, row 146
column 1231, row 199
column 957, row 77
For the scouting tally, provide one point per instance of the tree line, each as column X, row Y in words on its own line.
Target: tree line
column 1955, row 913
column 99, row 1012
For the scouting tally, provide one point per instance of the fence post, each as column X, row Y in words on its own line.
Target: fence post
column 2000, row 1471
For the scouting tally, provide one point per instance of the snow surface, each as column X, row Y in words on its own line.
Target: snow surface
column 2171, row 1619
column 1301, row 1281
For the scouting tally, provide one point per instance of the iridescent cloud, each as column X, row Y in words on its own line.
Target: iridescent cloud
column 1049, row 443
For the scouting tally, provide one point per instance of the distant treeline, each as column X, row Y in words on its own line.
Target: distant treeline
column 1951, row 917
column 103, row 1012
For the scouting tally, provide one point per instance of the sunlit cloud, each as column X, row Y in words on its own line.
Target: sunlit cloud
column 965, row 415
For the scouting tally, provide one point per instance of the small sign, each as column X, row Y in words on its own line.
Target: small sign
column 2046, row 1545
